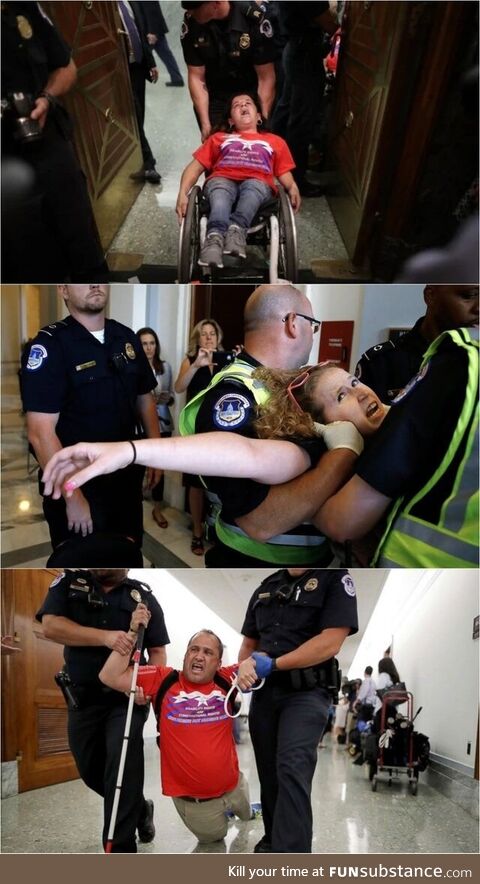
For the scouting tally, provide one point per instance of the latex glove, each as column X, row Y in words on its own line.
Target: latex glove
column 263, row 664
column 340, row 434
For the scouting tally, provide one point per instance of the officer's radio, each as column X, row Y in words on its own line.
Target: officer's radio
column 16, row 109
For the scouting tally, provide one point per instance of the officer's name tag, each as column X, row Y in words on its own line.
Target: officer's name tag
column 85, row 365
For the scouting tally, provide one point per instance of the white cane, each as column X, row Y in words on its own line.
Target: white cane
column 126, row 735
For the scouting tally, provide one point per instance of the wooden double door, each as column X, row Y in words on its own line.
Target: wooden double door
column 34, row 714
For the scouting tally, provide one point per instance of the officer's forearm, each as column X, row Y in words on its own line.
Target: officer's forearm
column 294, row 502
column 316, row 650
column 67, row 632
column 248, row 646
column 266, row 87
column 61, row 80
column 148, row 416
column 199, row 95
column 157, row 656
column 352, row 512
column 42, row 436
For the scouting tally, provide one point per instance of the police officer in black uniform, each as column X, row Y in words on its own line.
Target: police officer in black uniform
column 48, row 220
column 298, row 618
column 388, row 367
column 77, row 389
column 228, row 47
column 92, row 613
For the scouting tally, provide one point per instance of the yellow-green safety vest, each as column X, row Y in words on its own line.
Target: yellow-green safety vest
column 411, row 542
column 283, row 549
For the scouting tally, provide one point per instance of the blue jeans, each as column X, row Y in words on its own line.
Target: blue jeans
column 222, row 193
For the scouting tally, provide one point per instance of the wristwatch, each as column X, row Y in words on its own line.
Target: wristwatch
column 50, row 98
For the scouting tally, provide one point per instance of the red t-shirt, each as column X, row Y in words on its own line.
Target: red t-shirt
column 245, row 155
column 197, row 750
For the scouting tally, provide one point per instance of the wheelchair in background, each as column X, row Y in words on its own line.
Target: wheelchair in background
column 273, row 232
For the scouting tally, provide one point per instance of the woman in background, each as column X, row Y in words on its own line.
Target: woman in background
column 164, row 397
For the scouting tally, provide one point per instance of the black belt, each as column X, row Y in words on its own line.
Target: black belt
column 196, row 800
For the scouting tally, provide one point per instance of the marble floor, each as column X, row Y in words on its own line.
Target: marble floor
column 151, row 228
column 348, row 816
column 25, row 540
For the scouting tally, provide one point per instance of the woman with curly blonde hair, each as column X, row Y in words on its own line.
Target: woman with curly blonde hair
column 300, row 405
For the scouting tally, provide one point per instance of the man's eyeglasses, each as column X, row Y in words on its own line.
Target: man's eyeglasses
column 315, row 323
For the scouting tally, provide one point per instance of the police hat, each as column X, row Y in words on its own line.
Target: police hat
column 193, row 5
column 97, row 550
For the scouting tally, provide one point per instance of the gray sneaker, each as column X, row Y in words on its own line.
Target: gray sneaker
column 212, row 251
column 235, row 241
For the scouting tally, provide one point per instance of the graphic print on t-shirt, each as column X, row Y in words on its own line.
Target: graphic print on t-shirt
column 236, row 152
column 195, row 707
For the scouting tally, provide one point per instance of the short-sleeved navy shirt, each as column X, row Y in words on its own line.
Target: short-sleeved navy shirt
column 231, row 48
column 410, row 444
column 77, row 596
column 317, row 600
column 229, row 407
column 31, row 48
column 388, row 367
column 92, row 386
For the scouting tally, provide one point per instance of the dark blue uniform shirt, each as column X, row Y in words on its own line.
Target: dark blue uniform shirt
column 92, row 386
column 284, row 612
column 77, row 596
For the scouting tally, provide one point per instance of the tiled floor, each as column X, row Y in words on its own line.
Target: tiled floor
column 151, row 228
column 348, row 816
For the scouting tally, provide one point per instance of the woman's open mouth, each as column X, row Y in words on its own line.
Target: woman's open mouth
column 372, row 409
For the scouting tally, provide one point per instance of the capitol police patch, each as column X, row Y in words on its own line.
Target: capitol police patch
column 411, row 385
column 57, row 579
column 36, row 357
column 231, row 410
column 348, row 584
column 266, row 28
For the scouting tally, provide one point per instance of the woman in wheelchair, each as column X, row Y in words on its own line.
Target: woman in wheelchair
column 348, row 410
column 241, row 166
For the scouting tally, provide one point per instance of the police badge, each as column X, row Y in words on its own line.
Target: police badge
column 244, row 41
column 129, row 350
column 311, row 584
column 136, row 596
column 24, row 27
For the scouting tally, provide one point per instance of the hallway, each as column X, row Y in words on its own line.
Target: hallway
column 149, row 234
column 348, row 816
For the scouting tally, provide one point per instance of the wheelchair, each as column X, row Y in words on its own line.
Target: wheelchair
column 273, row 232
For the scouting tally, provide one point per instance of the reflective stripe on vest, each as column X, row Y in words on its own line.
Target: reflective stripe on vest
column 280, row 550
column 410, row 542
column 283, row 549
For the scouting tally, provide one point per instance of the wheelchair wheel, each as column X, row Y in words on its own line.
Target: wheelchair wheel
column 287, row 258
column 189, row 241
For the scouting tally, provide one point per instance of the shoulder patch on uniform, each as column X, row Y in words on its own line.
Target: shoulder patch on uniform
column 36, row 357
column 372, row 352
column 231, row 410
column 348, row 584
column 57, row 580
column 266, row 28
column 411, row 384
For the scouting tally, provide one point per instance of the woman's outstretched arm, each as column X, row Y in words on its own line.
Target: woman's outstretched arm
column 209, row 454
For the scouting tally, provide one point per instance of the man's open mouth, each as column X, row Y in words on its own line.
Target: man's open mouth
column 197, row 667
